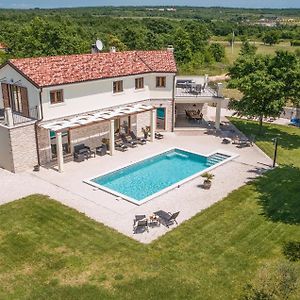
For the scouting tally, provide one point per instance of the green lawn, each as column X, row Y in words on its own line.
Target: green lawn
column 49, row 251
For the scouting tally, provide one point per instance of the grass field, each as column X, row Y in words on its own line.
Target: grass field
column 261, row 49
column 49, row 251
column 231, row 56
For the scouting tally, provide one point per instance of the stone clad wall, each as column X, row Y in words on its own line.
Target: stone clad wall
column 23, row 144
column 18, row 147
column 6, row 158
column 44, row 145
column 90, row 135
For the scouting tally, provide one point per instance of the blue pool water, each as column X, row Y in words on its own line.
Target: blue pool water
column 152, row 175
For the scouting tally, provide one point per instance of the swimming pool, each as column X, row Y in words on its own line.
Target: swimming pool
column 153, row 176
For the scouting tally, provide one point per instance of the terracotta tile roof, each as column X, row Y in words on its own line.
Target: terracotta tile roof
column 56, row 70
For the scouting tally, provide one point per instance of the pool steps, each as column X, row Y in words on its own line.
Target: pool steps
column 216, row 158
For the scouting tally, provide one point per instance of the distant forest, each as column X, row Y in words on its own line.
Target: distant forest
column 39, row 32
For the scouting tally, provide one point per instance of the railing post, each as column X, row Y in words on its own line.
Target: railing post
column 8, row 116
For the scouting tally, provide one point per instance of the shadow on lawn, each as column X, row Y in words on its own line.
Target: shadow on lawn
column 280, row 194
column 270, row 131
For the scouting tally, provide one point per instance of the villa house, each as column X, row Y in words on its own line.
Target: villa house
column 50, row 104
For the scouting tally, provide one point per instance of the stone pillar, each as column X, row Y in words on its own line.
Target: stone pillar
column 111, row 137
column 59, row 152
column 218, row 114
column 152, row 124
column 8, row 117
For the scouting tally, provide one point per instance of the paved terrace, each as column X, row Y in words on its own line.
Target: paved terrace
column 189, row 199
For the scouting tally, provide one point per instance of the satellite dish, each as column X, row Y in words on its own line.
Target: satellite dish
column 99, row 45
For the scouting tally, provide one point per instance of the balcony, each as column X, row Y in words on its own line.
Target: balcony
column 194, row 86
column 19, row 118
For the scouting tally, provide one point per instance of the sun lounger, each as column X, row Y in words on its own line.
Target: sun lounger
column 166, row 217
column 158, row 136
column 139, row 140
column 120, row 147
column 124, row 139
column 140, row 222
column 244, row 142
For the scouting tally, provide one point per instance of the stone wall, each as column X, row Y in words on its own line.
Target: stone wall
column 44, row 145
column 6, row 158
column 18, row 147
column 90, row 135
column 24, row 150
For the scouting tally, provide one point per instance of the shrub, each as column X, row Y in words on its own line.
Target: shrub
column 272, row 282
column 291, row 250
column 295, row 43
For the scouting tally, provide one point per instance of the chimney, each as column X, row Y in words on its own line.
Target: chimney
column 220, row 90
column 170, row 48
column 112, row 49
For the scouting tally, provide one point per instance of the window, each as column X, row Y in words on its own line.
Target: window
column 161, row 81
column 139, row 83
column 56, row 96
column 118, row 86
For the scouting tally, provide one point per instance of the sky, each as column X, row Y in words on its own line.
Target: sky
column 77, row 3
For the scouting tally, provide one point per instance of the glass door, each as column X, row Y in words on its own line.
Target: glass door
column 65, row 143
column 161, row 118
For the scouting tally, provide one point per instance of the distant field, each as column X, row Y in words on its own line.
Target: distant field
column 221, row 68
column 261, row 49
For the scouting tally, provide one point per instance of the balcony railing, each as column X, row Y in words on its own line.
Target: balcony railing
column 20, row 118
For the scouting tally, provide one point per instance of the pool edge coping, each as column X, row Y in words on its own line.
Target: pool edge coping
column 167, row 189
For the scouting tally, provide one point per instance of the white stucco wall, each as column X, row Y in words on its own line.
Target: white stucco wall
column 95, row 95
column 11, row 76
column 91, row 95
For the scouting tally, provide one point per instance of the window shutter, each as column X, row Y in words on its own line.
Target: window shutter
column 25, row 104
column 5, row 94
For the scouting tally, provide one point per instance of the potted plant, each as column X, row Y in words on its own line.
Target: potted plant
column 207, row 181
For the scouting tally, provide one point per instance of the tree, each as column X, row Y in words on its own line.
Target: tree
column 43, row 37
column 218, row 51
column 114, row 41
column 183, row 46
column 266, row 82
column 247, row 48
column 262, row 96
column 271, row 38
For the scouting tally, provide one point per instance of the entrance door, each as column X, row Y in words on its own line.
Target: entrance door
column 161, row 118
